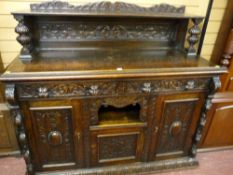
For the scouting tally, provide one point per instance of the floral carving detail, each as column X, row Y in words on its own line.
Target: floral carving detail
column 69, row 32
column 117, row 146
column 104, row 6
column 108, row 88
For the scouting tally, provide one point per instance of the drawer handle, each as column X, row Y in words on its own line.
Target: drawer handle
column 190, row 85
column 43, row 92
column 55, row 138
column 146, row 87
column 94, row 90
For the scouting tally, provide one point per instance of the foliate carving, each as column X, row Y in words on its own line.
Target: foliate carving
column 10, row 93
column 22, row 138
column 177, row 118
column 119, row 102
column 193, row 38
column 66, row 89
column 53, row 132
column 121, row 146
column 108, row 88
column 91, row 31
column 214, row 86
column 105, row 6
column 156, row 86
column 24, row 38
column 216, row 83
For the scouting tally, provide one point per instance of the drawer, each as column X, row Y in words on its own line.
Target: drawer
column 66, row 89
column 109, row 88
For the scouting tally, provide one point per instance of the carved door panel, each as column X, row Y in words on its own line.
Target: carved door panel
column 117, row 129
column 175, row 124
column 53, row 136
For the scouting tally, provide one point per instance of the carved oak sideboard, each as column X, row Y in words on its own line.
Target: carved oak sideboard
column 108, row 88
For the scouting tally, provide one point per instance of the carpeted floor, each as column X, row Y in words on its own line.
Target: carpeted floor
column 211, row 163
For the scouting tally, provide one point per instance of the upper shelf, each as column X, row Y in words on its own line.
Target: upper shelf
column 107, row 9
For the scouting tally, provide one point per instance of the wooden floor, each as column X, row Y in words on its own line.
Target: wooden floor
column 211, row 163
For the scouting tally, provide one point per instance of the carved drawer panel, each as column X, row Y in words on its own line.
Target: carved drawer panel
column 65, row 89
column 117, row 146
column 156, row 86
column 54, row 136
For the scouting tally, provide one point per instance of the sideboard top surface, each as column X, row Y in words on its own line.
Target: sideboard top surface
column 96, row 64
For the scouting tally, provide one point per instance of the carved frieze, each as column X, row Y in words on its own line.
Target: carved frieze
column 105, row 6
column 156, row 86
column 64, row 31
column 108, row 88
column 118, row 102
column 66, row 89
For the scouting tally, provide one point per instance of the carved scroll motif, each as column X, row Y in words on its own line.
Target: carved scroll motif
column 105, row 6
column 214, row 86
column 20, row 130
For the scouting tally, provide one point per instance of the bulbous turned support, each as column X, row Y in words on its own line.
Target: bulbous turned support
column 193, row 37
column 24, row 39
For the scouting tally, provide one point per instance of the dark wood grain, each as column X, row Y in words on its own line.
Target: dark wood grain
column 94, row 91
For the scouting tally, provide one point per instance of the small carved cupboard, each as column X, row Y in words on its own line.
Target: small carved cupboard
column 108, row 88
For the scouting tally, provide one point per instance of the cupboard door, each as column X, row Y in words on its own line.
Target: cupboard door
column 177, row 116
column 114, row 146
column 218, row 130
column 54, row 126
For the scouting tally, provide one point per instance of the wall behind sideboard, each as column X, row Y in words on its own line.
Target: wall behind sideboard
column 9, row 48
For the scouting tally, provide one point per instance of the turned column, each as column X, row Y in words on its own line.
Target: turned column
column 193, row 37
column 24, row 38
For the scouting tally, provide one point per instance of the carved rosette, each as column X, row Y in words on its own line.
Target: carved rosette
column 214, row 86
column 193, row 37
column 20, row 130
column 24, row 38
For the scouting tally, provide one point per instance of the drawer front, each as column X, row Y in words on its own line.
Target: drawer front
column 81, row 89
